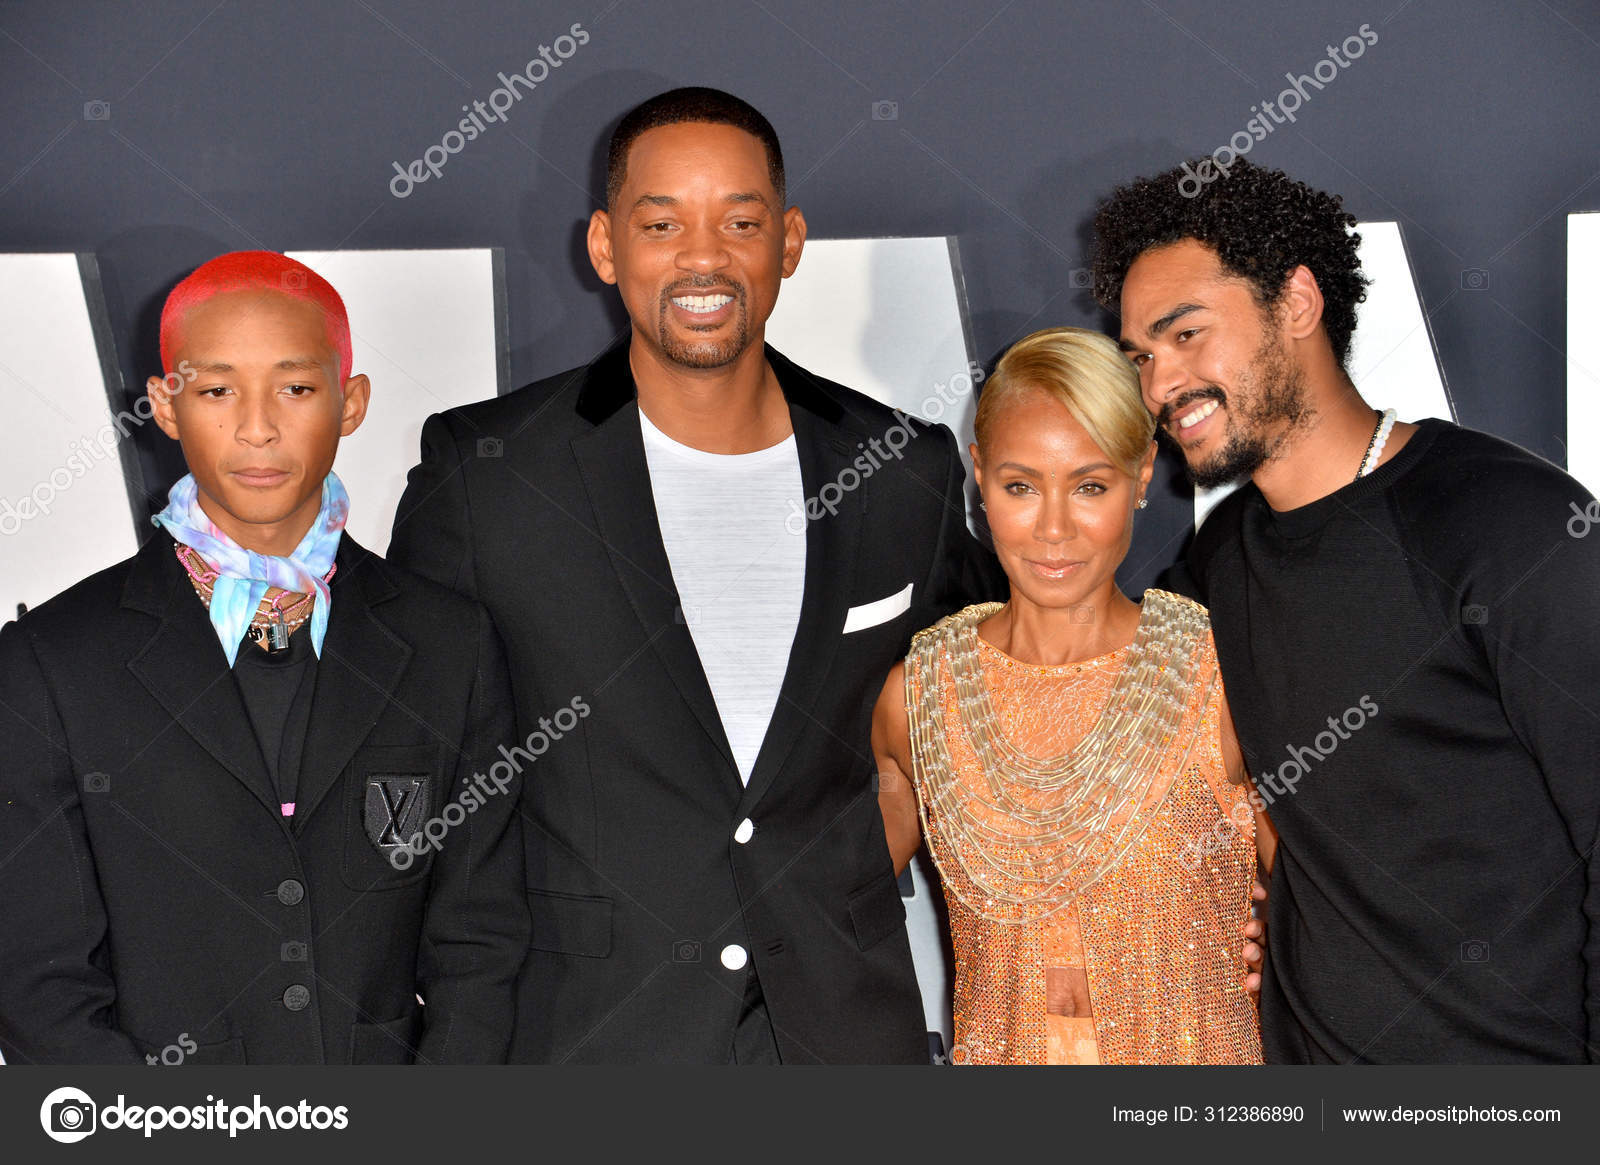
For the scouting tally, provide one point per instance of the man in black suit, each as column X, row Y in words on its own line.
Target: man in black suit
column 241, row 816
column 723, row 555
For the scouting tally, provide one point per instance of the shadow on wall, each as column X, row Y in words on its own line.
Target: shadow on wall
column 1060, row 279
column 570, row 181
column 136, row 313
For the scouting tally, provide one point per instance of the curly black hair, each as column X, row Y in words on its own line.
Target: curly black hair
column 1261, row 223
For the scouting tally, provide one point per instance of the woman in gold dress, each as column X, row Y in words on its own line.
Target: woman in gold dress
column 1069, row 758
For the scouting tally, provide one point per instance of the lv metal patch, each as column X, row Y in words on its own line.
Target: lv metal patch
column 395, row 810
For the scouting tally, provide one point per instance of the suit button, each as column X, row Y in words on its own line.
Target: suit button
column 297, row 997
column 745, row 832
column 734, row 957
column 290, row 892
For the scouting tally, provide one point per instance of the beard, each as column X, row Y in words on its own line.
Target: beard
column 1273, row 397
column 706, row 353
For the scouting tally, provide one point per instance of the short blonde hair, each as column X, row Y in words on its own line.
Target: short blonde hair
column 1086, row 372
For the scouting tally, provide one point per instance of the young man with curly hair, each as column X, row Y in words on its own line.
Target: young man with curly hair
column 1406, row 629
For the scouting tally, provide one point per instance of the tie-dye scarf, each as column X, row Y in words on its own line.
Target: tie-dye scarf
column 243, row 576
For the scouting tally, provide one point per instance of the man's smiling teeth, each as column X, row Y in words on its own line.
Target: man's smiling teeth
column 700, row 304
column 1190, row 420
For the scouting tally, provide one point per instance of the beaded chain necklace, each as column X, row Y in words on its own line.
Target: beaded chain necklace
column 1040, row 829
column 1380, row 437
column 272, row 621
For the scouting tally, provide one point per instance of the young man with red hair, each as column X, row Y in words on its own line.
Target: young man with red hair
column 225, row 752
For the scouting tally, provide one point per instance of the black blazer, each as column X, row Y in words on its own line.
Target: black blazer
column 155, row 899
column 539, row 504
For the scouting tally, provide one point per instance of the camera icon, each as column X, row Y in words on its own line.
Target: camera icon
column 97, row 111
column 68, row 1115
column 1474, row 279
column 1474, row 951
column 293, row 951
column 491, row 447
column 72, row 1116
column 885, row 111
column 293, row 280
column 686, row 951
column 1080, row 277
column 1475, row 614
column 1082, row 613
column 97, row 783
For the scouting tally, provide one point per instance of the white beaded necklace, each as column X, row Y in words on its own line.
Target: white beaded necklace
column 1380, row 436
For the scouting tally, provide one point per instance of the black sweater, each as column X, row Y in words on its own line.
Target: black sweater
column 1413, row 665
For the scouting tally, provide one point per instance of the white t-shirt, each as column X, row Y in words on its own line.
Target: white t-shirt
column 739, row 565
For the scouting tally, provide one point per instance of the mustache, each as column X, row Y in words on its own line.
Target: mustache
column 703, row 283
column 1173, row 407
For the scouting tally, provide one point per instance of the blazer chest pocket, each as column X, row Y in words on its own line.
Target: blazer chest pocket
column 876, row 911
column 394, row 1042
column 879, row 612
column 391, row 833
column 570, row 924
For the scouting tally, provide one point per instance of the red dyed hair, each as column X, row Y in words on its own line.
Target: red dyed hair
column 256, row 271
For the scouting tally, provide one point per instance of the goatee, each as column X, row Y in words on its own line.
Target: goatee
column 1274, row 398
column 705, row 353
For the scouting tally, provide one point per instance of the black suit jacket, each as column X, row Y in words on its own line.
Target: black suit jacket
column 156, row 900
column 539, row 504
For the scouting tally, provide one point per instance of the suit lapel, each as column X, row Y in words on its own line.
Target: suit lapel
column 825, row 449
column 184, row 669
column 616, row 477
column 360, row 666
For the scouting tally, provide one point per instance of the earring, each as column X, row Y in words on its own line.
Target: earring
column 1142, row 503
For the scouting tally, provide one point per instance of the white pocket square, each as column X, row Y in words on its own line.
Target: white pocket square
column 880, row 611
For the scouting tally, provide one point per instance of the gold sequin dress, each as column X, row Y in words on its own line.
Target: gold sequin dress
column 1144, row 965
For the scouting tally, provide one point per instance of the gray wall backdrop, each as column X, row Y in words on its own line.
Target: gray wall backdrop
column 158, row 135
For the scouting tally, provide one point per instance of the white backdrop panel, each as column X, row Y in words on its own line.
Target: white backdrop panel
column 887, row 317
column 423, row 328
column 64, row 508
